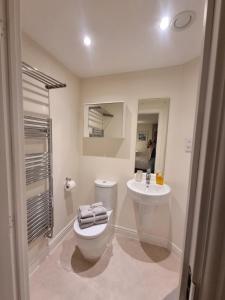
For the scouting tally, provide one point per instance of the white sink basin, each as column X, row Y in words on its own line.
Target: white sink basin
column 154, row 194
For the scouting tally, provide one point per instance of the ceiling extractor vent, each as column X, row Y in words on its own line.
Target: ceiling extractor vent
column 183, row 20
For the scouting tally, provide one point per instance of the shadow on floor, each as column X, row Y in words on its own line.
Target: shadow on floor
column 173, row 295
column 142, row 251
column 84, row 268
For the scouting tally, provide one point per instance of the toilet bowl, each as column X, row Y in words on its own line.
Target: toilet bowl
column 92, row 241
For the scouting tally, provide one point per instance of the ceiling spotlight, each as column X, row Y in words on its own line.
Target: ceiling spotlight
column 164, row 24
column 87, row 41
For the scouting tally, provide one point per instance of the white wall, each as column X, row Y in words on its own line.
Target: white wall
column 114, row 126
column 112, row 159
column 64, row 111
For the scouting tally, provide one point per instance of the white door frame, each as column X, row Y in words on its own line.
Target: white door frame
column 205, row 236
column 13, row 172
column 13, row 213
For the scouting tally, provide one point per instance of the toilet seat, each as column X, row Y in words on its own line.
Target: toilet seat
column 93, row 231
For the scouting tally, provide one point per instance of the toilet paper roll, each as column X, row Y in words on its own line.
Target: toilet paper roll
column 69, row 185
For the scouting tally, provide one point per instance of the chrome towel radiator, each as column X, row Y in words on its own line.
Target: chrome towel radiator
column 38, row 165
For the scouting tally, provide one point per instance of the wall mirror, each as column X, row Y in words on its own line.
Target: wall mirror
column 104, row 120
column 152, row 123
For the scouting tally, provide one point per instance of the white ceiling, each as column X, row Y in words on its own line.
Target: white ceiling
column 125, row 33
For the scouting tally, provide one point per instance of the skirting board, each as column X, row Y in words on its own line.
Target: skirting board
column 52, row 245
column 131, row 233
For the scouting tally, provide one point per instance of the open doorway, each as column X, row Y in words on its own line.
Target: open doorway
column 158, row 94
column 66, row 209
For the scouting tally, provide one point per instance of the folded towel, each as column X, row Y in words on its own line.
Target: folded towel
column 93, row 219
column 87, row 211
column 100, row 210
column 90, row 206
column 86, row 225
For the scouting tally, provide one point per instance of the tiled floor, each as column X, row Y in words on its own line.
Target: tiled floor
column 127, row 270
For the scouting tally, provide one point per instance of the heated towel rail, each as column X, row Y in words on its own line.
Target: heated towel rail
column 38, row 165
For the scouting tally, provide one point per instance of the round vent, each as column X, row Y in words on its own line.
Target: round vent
column 183, row 20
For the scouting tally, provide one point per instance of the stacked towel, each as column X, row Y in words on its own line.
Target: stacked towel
column 89, row 215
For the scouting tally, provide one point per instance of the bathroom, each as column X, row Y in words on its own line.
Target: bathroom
column 148, row 68
column 85, row 159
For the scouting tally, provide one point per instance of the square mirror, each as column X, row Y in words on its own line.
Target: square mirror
column 104, row 120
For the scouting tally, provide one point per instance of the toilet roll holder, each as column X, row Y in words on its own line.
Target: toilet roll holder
column 69, row 184
column 68, row 179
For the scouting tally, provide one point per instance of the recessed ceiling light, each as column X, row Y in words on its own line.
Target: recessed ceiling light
column 165, row 22
column 183, row 20
column 87, row 41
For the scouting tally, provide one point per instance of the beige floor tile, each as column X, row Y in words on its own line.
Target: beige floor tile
column 127, row 270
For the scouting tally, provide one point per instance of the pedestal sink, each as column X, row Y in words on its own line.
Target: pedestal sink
column 153, row 194
column 152, row 212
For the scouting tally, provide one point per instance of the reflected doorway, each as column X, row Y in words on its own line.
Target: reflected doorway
column 147, row 131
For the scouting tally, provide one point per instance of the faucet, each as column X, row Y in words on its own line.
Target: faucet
column 148, row 177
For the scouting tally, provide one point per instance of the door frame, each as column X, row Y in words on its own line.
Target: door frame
column 13, row 172
column 196, row 250
column 204, row 247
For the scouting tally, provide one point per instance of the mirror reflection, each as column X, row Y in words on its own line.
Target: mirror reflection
column 104, row 120
column 147, row 128
column 152, row 122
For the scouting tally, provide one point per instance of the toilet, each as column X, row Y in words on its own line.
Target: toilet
column 93, row 241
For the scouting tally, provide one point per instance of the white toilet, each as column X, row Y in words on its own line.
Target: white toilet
column 92, row 241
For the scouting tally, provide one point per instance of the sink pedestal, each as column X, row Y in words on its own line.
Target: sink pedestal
column 153, row 224
column 152, row 212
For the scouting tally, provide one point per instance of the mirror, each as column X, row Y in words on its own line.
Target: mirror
column 152, row 123
column 104, row 120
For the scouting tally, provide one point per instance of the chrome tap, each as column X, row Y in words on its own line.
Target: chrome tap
column 148, row 177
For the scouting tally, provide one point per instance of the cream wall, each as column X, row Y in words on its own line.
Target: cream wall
column 116, row 161
column 64, row 111
column 113, row 127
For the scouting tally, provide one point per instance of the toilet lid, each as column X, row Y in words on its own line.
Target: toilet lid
column 90, row 232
